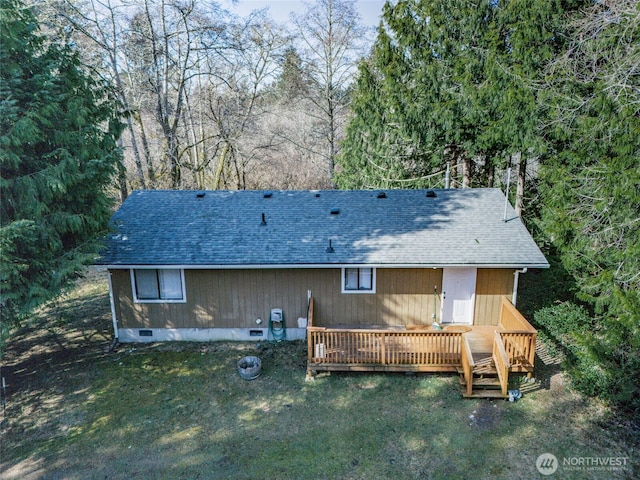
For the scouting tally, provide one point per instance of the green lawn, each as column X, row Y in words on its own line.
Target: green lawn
column 181, row 411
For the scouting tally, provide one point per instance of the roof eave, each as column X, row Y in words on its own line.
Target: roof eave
column 516, row 266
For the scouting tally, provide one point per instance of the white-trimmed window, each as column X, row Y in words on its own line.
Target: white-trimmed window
column 358, row 280
column 161, row 285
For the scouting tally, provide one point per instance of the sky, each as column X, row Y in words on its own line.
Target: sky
column 370, row 10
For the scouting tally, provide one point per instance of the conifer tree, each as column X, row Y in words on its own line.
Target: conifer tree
column 424, row 80
column 293, row 82
column 591, row 188
column 455, row 82
column 58, row 154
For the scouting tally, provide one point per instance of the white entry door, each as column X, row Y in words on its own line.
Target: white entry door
column 458, row 295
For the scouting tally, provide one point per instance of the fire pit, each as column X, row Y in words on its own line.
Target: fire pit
column 249, row 367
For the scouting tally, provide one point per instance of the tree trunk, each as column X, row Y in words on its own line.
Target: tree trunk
column 453, row 176
column 491, row 173
column 176, row 170
column 466, row 170
column 221, row 162
column 332, row 150
column 122, row 177
column 147, row 153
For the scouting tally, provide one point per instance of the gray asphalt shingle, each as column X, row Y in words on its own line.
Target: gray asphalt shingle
column 458, row 227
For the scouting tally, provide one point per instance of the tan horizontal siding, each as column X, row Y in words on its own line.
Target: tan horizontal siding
column 403, row 297
column 491, row 286
column 236, row 298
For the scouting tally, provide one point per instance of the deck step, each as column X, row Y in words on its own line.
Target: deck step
column 485, row 394
column 484, row 361
column 481, row 381
column 485, row 371
column 485, row 367
column 486, row 382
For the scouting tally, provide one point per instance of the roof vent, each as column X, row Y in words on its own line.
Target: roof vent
column 317, row 195
column 431, row 194
column 264, row 221
column 330, row 248
column 267, row 195
column 200, row 195
column 382, row 195
column 335, row 211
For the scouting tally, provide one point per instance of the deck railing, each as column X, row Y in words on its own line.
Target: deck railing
column 419, row 350
column 426, row 350
column 520, row 347
column 468, row 365
column 519, row 338
column 502, row 363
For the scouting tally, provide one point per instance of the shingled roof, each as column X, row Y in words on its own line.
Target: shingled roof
column 232, row 229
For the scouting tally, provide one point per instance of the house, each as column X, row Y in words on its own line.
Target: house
column 248, row 265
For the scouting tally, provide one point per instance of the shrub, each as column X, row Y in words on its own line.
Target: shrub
column 600, row 358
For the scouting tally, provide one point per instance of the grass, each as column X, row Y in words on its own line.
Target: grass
column 173, row 411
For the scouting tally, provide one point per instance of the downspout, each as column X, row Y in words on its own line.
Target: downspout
column 114, row 318
column 516, row 275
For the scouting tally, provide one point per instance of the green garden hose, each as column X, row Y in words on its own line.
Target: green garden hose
column 277, row 330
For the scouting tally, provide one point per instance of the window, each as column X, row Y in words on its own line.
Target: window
column 158, row 285
column 358, row 280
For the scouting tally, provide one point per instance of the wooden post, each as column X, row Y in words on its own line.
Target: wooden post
column 383, row 349
column 310, row 341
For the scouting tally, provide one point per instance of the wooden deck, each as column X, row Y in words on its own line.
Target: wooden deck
column 482, row 355
column 384, row 349
column 480, row 340
column 395, row 349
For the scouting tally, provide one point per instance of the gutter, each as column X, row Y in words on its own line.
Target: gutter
column 267, row 266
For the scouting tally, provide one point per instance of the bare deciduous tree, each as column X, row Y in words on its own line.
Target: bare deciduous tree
column 237, row 98
column 331, row 42
column 202, row 90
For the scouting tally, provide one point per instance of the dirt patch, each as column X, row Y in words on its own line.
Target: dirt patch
column 487, row 415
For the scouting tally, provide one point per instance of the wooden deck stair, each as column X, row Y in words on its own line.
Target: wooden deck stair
column 485, row 382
